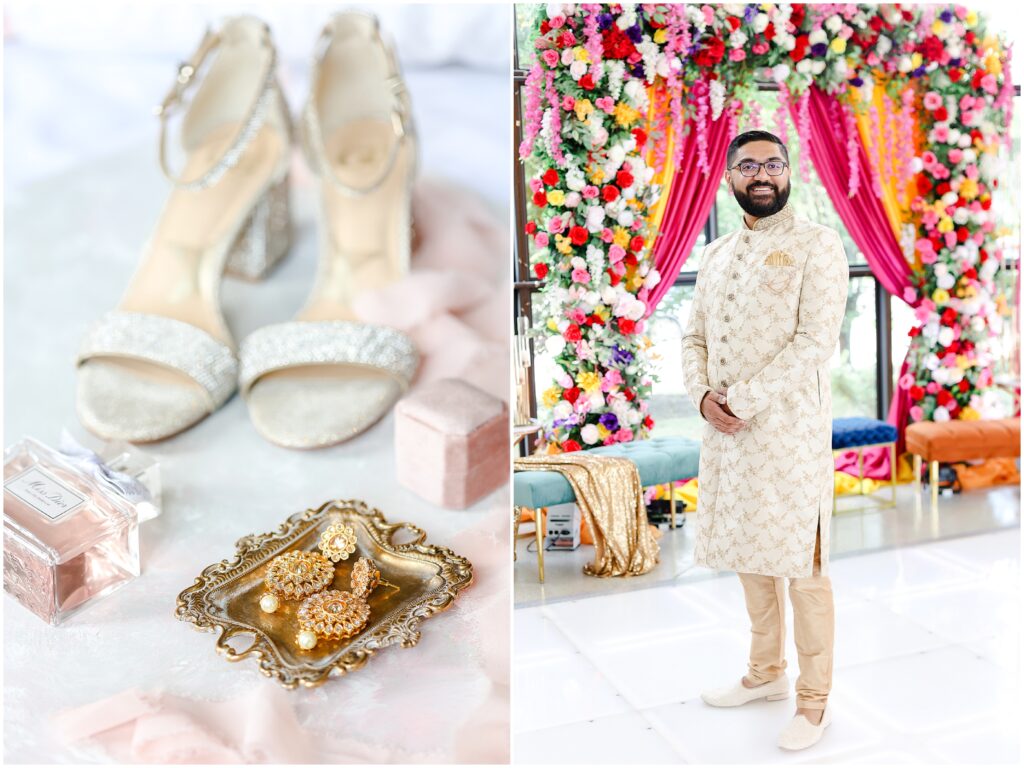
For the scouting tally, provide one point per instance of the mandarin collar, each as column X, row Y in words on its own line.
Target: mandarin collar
column 768, row 222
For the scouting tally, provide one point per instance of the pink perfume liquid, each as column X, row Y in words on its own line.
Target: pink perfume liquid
column 68, row 539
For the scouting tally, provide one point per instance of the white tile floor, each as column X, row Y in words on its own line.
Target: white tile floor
column 926, row 667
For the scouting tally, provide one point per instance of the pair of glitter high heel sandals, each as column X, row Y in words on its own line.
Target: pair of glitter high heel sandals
column 165, row 358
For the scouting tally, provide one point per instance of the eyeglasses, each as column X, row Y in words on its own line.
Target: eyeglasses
column 749, row 168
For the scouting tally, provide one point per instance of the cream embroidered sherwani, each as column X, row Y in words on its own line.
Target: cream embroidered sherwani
column 765, row 319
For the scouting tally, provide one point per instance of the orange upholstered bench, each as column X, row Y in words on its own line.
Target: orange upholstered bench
column 935, row 441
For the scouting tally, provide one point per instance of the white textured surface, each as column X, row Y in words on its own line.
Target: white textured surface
column 71, row 242
column 926, row 667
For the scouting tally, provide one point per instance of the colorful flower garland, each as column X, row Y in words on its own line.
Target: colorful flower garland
column 590, row 132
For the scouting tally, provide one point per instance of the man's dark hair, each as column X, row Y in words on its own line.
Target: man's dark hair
column 748, row 136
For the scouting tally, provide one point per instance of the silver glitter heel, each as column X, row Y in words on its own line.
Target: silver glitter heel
column 164, row 359
column 326, row 377
column 266, row 236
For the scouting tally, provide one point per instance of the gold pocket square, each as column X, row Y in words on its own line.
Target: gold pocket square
column 779, row 259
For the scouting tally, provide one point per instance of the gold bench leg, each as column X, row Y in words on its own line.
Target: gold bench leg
column 538, row 517
column 672, row 504
column 917, row 483
column 934, row 475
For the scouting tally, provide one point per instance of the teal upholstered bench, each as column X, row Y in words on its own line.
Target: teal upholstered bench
column 659, row 460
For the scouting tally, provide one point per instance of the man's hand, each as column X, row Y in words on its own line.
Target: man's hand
column 723, row 401
column 715, row 409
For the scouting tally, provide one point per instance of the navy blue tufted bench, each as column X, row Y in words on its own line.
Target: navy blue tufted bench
column 861, row 433
column 659, row 460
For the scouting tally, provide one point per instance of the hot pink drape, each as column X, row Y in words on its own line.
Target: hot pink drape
column 690, row 199
column 863, row 214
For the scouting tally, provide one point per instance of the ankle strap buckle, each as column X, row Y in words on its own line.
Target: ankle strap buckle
column 187, row 72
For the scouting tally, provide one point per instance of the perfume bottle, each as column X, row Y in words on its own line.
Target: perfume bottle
column 70, row 537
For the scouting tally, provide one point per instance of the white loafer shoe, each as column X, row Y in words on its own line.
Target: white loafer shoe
column 735, row 695
column 801, row 733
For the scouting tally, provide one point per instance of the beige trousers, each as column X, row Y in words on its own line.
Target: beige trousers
column 813, row 630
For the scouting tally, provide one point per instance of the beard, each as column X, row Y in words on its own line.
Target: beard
column 764, row 205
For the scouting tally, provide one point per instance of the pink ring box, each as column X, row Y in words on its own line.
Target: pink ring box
column 451, row 443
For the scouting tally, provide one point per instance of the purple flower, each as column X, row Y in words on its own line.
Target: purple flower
column 604, row 20
column 946, row 16
column 609, row 421
column 634, row 33
column 857, row 82
column 749, row 12
column 954, row 62
column 638, row 70
column 819, row 49
column 621, row 356
column 919, row 72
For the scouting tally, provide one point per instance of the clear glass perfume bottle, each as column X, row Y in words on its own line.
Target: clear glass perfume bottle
column 68, row 537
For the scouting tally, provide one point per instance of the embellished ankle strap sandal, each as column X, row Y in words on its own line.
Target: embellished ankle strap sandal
column 165, row 359
column 324, row 377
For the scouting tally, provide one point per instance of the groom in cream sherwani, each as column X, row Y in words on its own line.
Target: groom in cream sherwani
column 765, row 319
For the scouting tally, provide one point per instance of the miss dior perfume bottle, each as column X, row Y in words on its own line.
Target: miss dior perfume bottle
column 69, row 536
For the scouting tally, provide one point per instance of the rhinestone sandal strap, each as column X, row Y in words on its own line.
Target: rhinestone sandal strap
column 338, row 342
column 268, row 90
column 166, row 342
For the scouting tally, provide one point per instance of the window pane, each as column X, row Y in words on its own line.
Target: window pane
column 855, row 361
column 525, row 24
column 670, row 406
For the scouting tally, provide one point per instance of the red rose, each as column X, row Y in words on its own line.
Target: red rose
column 610, row 193
column 924, row 184
column 944, row 397
column 587, row 82
column 540, row 199
column 636, row 244
column 710, row 54
column 550, row 177
column 971, row 273
column 986, row 203
column 941, row 115
column 955, row 74
column 571, row 445
column 962, row 234
column 579, row 235
column 916, row 393
column 629, row 394
column 540, row 270
column 572, row 333
column 545, row 27
column 624, row 179
column 733, row 23
column 769, row 31
column 595, row 320
column 948, row 316
column 630, row 259
column 964, row 385
column 614, row 277
column 648, row 421
column 942, row 189
column 572, row 394
column 640, row 135
column 914, row 332
column 800, row 49
column 531, row 227
column 626, row 325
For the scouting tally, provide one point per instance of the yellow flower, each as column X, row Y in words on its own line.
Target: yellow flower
column 916, row 60
column 938, row 27
column 602, row 431
column 551, row 396
column 962, row 362
column 968, row 189
column 625, row 115
column 603, row 312
column 992, row 64
column 661, row 36
column 969, row 291
column 838, row 45
column 552, row 325
column 583, row 107
column 563, row 244
column 597, row 175
column 635, row 283
column 969, row 414
column 621, row 237
column 553, row 448
column 581, row 54
column 589, row 382
column 556, row 197
column 940, row 296
column 971, row 19
column 945, row 224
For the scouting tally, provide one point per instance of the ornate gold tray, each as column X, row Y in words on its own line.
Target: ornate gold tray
column 226, row 595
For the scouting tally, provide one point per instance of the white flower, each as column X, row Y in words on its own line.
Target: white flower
column 940, row 414
column 905, row 65
column 883, row 45
column 819, row 35
column 930, row 330
column 760, row 22
column 804, row 66
column 954, row 136
column 596, row 400
column 554, row 9
column 931, row 362
column 590, row 434
column 963, row 140
column 595, row 218
column 950, row 198
column 563, row 410
column 737, row 39
column 572, row 199
column 946, row 282
column 578, row 69
column 960, row 215
column 554, row 345
column 946, row 336
column 652, row 279
column 833, row 23
column 717, row 95
column 817, row 66
column 568, row 57
column 978, row 322
column 917, row 165
column 635, row 92
column 780, row 72
column 970, row 156
column 625, row 218
column 578, row 263
column 940, row 269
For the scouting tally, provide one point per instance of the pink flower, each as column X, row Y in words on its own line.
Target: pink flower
column 956, row 155
column 971, row 171
column 624, row 435
column 941, row 133
column 556, row 225
column 906, row 381
column 590, row 192
column 966, row 101
column 916, row 413
column 932, row 101
column 940, row 171
column 550, row 58
column 580, row 276
column 607, row 235
column 556, row 22
column 932, row 387
column 873, row 59
column 536, row 185
column 605, row 103
column 616, row 254
column 909, row 295
column 612, row 379
column 930, row 257
column 576, row 315
column 760, row 48
column 928, row 159
column 541, row 239
column 950, row 238
column 930, row 218
column 568, row 102
column 989, row 84
column 737, row 54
